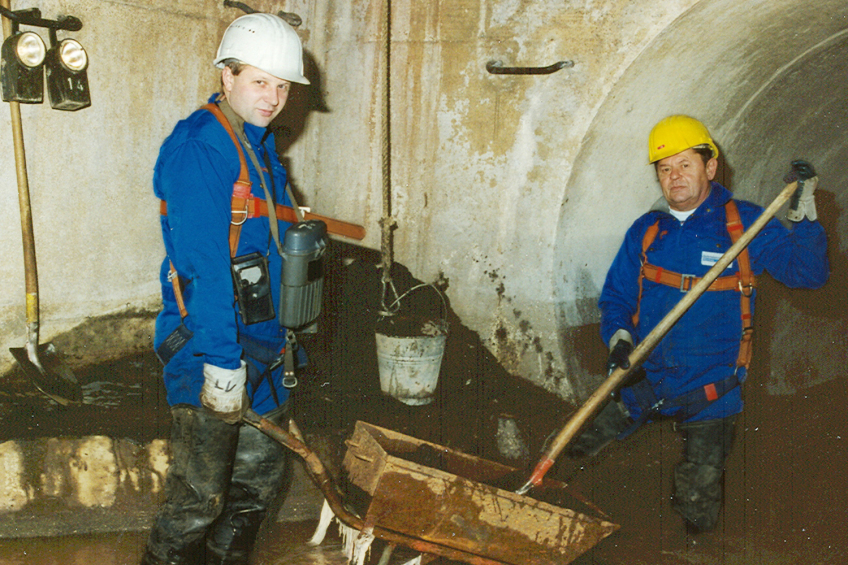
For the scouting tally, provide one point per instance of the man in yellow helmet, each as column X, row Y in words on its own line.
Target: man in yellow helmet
column 695, row 373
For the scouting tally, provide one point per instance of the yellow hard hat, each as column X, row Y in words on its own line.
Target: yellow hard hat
column 675, row 134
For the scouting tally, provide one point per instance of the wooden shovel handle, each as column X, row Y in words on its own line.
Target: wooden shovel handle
column 640, row 353
column 30, row 271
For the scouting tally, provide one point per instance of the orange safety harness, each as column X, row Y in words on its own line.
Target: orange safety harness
column 743, row 281
column 244, row 205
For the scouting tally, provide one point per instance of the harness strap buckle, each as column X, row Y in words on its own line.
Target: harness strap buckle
column 243, row 220
column 747, row 289
column 686, row 282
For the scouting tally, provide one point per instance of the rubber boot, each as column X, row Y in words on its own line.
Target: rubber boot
column 149, row 559
column 202, row 449
column 607, row 425
column 258, row 477
column 698, row 478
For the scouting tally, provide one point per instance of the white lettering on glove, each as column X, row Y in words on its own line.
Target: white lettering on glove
column 806, row 202
column 223, row 392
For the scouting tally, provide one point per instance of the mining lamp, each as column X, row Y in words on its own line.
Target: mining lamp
column 67, row 79
column 22, row 56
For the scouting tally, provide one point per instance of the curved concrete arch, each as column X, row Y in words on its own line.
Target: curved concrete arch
column 768, row 80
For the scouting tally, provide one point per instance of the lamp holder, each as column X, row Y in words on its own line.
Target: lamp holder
column 32, row 17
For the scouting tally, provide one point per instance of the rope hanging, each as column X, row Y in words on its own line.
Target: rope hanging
column 387, row 222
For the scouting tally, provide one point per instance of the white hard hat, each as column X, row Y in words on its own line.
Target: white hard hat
column 265, row 42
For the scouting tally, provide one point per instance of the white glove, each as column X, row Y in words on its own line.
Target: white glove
column 224, row 393
column 806, row 202
column 803, row 202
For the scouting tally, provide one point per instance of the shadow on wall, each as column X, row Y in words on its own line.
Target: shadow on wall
column 800, row 334
column 290, row 124
column 473, row 391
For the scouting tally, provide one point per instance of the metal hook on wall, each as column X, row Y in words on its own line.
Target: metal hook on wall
column 497, row 68
column 289, row 17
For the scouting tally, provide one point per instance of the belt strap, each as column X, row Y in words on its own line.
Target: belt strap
column 256, row 207
column 241, row 188
column 686, row 282
column 746, row 286
column 690, row 404
column 178, row 291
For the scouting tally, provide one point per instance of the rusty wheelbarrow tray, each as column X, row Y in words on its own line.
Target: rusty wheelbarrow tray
column 442, row 502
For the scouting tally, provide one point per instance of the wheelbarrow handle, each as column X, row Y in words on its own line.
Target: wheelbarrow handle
column 317, row 471
column 322, row 479
column 640, row 353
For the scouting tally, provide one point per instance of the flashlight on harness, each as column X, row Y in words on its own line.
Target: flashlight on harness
column 302, row 281
column 301, row 286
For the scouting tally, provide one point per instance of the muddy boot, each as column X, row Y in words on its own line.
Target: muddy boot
column 258, row 478
column 606, row 427
column 202, row 449
column 697, row 479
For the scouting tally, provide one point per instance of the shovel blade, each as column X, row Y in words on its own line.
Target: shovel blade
column 49, row 374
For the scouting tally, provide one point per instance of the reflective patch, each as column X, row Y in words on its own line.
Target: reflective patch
column 175, row 341
column 710, row 258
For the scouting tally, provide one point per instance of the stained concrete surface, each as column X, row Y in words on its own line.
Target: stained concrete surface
column 784, row 490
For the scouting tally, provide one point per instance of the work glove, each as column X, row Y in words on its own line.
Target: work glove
column 619, row 356
column 620, row 350
column 803, row 202
column 223, row 392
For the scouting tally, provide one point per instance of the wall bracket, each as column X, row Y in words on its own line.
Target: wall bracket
column 497, row 68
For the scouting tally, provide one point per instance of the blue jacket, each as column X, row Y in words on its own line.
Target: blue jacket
column 703, row 346
column 197, row 166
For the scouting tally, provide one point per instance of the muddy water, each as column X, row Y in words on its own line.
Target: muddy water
column 785, row 494
column 109, row 549
column 282, row 544
column 285, row 544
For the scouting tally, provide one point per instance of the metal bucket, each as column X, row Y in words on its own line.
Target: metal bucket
column 409, row 356
column 409, row 366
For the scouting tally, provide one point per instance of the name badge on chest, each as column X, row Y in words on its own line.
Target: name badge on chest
column 710, row 258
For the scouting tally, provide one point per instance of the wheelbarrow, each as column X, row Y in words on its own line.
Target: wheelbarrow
column 444, row 503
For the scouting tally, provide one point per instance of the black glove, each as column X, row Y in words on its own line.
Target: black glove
column 619, row 356
column 801, row 170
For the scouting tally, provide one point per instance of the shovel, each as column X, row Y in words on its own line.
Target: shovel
column 40, row 362
column 640, row 353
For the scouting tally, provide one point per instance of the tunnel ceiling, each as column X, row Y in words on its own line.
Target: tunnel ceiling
column 802, row 113
column 768, row 79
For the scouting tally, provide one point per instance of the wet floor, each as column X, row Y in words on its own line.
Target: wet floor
column 126, row 548
column 785, row 495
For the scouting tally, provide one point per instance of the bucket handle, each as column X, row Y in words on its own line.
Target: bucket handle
column 397, row 300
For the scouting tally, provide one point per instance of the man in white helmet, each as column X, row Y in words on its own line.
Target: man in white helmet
column 222, row 355
column 695, row 373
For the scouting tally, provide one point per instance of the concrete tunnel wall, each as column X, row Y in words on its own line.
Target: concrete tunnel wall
column 768, row 78
column 515, row 189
